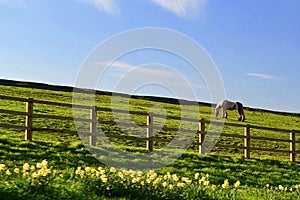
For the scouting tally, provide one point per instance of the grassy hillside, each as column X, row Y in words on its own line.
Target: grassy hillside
column 66, row 152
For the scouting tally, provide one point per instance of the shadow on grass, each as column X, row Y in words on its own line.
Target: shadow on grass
column 71, row 154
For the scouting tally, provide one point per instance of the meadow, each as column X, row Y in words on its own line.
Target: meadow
column 57, row 165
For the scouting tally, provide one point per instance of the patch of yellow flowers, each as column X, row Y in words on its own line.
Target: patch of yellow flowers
column 150, row 178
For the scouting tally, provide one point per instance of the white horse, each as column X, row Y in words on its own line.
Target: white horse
column 228, row 105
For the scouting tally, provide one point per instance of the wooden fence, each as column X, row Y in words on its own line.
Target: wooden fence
column 149, row 126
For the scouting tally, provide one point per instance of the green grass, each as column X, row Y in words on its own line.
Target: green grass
column 66, row 152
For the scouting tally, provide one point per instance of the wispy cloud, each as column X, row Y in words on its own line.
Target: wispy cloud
column 183, row 8
column 109, row 6
column 149, row 72
column 138, row 69
column 262, row 76
column 14, row 3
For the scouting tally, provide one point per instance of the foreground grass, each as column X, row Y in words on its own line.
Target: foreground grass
column 65, row 153
column 259, row 179
column 41, row 181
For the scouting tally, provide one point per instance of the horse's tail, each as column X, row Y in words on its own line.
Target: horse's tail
column 240, row 108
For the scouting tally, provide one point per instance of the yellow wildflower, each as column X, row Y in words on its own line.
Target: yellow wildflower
column 113, row 170
column 8, row 172
column 165, row 184
column 32, row 168
column 132, row 173
column 171, row 186
column 35, row 175
column 206, row 183
column 103, row 178
column 135, row 180
column 202, row 179
column 44, row 163
column 61, row 175
column 267, row 185
column 17, row 170
column 225, row 184
column 175, row 177
column 167, row 176
column 196, row 176
column 39, row 165
column 97, row 173
column 186, row 180
column 2, row 167
column 87, row 169
column 78, row 171
column 157, row 180
column 139, row 173
column 180, row 184
column 142, row 183
column 125, row 172
column 121, row 175
column 25, row 173
column 237, row 184
column 26, row 167
column 213, row 187
column 280, row 187
column 148, row 180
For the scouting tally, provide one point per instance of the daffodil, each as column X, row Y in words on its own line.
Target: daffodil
column 44, row 163
column 26, row 167
column 175, row 177
column 165, row 184
column 213, row 187
column 104, row 178
column 225, row 184
column 156, row 181
column 87, row 169
column 237, row 184
column 17, row 170
column 180, row 184
column 2, row 167
column 196, row 176
column 121, row 175
column 206, row 183
column 280, row 187
column 35, row 175
column 113, row 170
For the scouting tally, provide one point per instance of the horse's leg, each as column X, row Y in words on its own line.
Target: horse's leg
column 224, row 114
column 216, row 112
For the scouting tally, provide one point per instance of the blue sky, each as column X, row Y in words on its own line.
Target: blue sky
column 254, row 44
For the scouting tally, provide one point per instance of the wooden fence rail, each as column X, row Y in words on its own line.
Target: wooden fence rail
column 149, row 126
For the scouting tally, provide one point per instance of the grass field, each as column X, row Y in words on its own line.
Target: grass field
column 265, row 176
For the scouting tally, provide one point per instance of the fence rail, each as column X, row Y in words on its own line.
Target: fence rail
column 149, row 126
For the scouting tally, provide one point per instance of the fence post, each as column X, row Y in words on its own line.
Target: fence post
column 247, row 142
column 292, row 146
column 202, row 133
column 93, row 126
column 29, row 116
column 149, row 144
